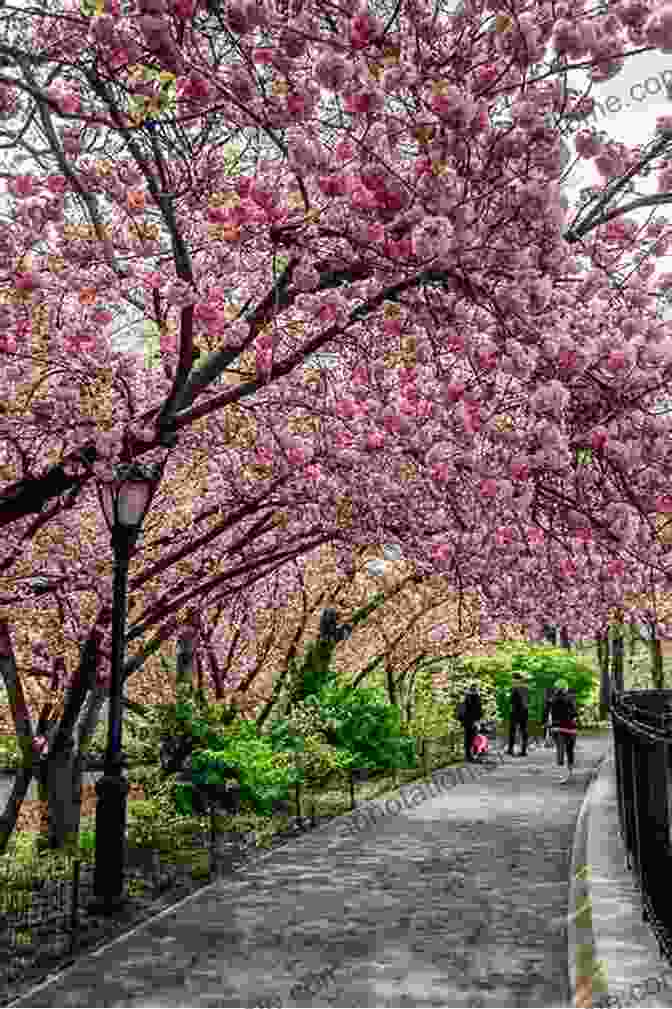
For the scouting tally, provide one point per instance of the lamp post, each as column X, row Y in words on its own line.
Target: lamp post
column 125, row 501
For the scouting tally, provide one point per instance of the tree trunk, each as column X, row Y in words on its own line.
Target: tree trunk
column 10, row 814
column 605, row 682
column 215, row 672
column 410, row 694
column 185, row 659
column 200, row 678
column 24, row 733
column 564, row 638
column 634, row 638
column 62, row 799
column 657, row 663
column 63, row 775
column 391, row 688
column 617, row 656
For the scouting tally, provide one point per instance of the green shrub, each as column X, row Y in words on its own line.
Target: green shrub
column 151, row 825
column 264, row 775
column 361, row 722
column 542, row 666
column 318, row 761
column 10, row 754
column 434, row 709
column 463, row 673
column 190, row 715
column 137, row 744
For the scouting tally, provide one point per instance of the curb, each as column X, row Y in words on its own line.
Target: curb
column 580, row 939
column 637, row 973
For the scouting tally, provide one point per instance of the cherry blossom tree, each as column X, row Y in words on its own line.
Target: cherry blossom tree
column 381, row 250
column 488, row 385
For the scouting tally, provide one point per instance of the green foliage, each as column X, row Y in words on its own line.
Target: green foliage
column 304, row 720
column 362, row 722
column 153, row 824
column 190, row 715
column 308, row 679
column 318, row 760
column 135, row 743
column 264, row 774
column 159, row 788
column 10, row 752
column 431, row 718
column 315, row 673
column 463, row 673
column 541, row 666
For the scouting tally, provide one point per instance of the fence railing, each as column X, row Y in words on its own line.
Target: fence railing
column 642, row 722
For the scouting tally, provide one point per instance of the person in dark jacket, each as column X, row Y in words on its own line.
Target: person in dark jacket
column 563, row 718
column 519, row 715
column 473, row 713
column 548, row 735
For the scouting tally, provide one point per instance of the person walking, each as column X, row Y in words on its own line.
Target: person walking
column 563, row 718
column 519, row 715
column 472, row 712
column 548, row 735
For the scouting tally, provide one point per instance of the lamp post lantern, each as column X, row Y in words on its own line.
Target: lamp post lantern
column 125, row 502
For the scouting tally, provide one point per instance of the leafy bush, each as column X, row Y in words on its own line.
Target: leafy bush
column 10, row 754
column 542, row 666
column 289, row 733
column 318, row 760
column 433, row 709
column 264, row 774
column 151, row 825
column 464, row 672
column 589, row 717
column 98, row 742
column 137, row 744
column 307, row 679
column 190, row 715
column 160, row 789
column 361, row 721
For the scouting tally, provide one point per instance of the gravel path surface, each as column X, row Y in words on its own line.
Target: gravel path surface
column 459, row 899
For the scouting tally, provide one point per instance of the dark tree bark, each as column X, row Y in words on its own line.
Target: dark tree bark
column 618, row 649
column 605, row 682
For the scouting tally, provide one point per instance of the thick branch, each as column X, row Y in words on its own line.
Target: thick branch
column 577, row 231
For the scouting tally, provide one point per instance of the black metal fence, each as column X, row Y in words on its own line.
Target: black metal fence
column 642, row 721
column 44, row 901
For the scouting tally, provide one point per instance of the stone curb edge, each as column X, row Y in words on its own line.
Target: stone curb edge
column 580, row 939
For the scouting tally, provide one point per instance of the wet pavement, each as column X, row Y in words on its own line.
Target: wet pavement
column 455, row 896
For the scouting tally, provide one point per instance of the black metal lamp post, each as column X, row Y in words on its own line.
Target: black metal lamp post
column 125, row 502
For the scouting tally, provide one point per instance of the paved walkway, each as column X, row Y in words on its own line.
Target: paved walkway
column 459, row 899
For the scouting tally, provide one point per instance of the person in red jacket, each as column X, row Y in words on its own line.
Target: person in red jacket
column 563, row 718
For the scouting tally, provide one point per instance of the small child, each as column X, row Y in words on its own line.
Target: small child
column 480, row 745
